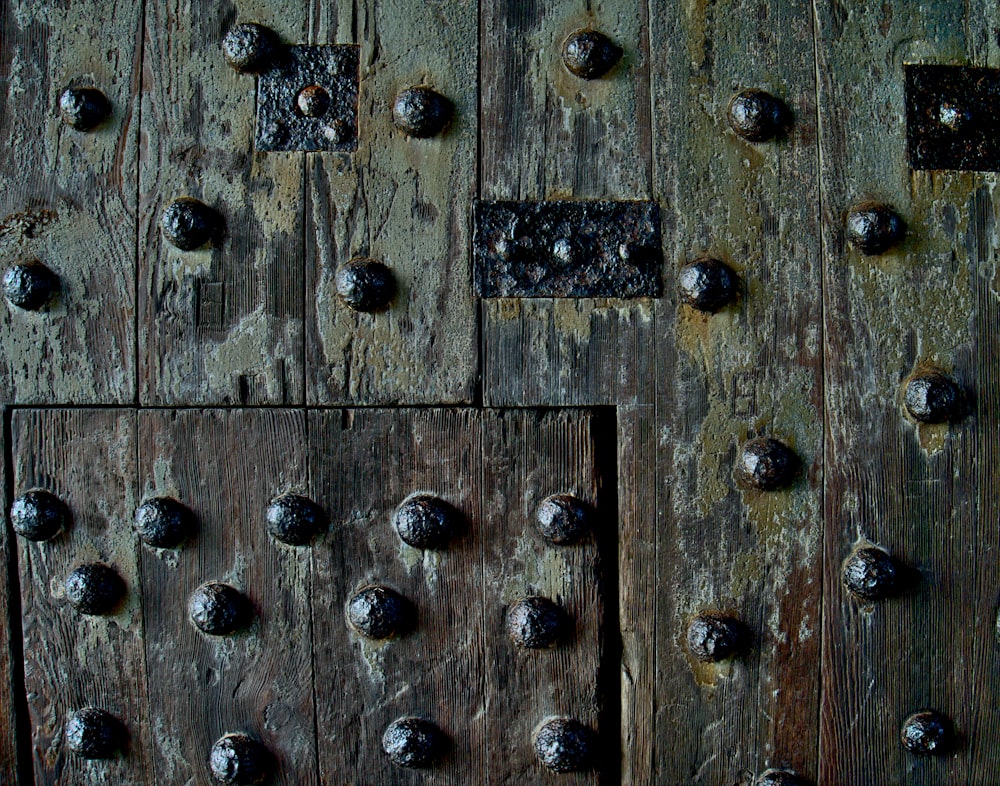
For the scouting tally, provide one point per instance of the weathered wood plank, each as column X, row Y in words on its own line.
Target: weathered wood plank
column 547, row 134
column 365, row 464
column 223, row 324
column 71, row 660
column 11, row 651
column 752, row 369
column 67, row 199
column 403, row 201
column 923, row 493
column 529, row 456
column 226, row 466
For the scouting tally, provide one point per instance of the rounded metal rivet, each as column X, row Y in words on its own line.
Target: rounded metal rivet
column 313, row 101
column 781, row 778
column 589, row 54
column 758, row 116
column 932, row 397
column 563, row 519
column 249, row 47
column 365, row 285
column 564, row 745
column 421, row 112
column 239, row 760
column 163, row 523
column 536, row 622
column 413, row 742
column 378, row 612
column 94, row 589
column 766, row 464
column 565, row 251
column 29, row 285
column 426, row 522
column 714, row 637
column 927, row 732
column 218, row 609
column 189, row 223
column 295, row 520
column 708, row 284
column 874, row 228
column 872, row 574
column 84, row 108
column 39, row 515
column 95, row 734
column 337, row 131
column 952, row 115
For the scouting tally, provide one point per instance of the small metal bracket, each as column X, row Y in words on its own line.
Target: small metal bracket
column 330, row 119
column 567, row 249
column 951, row 116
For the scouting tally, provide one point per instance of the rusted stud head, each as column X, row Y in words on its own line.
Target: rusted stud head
column 29, row 285
column 313, row 101
column 163, row 523
column 872, row 574
column 239, row 760
column 932, row 397
column 589, row 54
column 565, row 745
column 421, row 112
column 413, row 742
column 426, row 522
column 94, row 589
column 295, row 520
column 708, row 285
column 84, row 108
column 536, row 623
column 39, row 515
column 781, row 778
column 766, row 464
column 714, row 637
column 927, row 732
column 365, row 285
column 378, row 612
column 219, row 610
column 249, row 47
column 758, row 116
column 93, row 733
column 954, row 116
column 188, row 223
column 874, row 228
column 563, row 519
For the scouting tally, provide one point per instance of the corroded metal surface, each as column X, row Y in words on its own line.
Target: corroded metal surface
column 567, row 249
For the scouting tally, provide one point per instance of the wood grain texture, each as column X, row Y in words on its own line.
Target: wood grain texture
column 547, row 134
column 528, row 456
column 366, row 463
column 404, row 201
column 71, row 661
column 11, row 653
column 926, row 494
column 67, row 198
column 226, row 466
column 223, row 324
column 752, row 369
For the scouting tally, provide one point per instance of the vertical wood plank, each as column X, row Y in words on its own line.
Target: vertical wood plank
column 223, row 324
column 751, row 369
column 67, row 199
column 72, row 661
column 547, row 134
column 12, row 703
column 365, row 463
column 403, row 201
column 922, row 493
column 226, row 466
column 528, row 456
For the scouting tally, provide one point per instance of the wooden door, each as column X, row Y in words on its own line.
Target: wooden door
column 777, row 445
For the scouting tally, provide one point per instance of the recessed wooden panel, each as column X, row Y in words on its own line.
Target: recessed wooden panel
column 226, row 466
column 71, row 660
column 67, row 199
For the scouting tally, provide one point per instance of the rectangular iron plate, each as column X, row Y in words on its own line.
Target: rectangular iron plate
column 280, row 124
column 567, row 249
column 950, row 117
